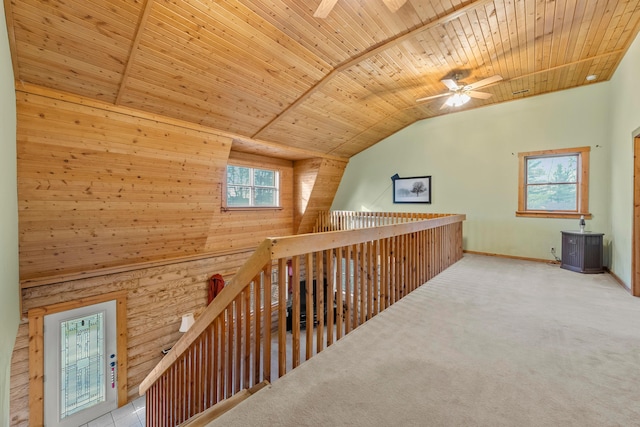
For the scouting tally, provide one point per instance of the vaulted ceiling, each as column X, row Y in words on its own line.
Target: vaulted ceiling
column 268, row 70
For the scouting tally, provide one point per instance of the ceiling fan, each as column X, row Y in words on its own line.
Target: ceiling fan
column 460, row 94
column 327, row 5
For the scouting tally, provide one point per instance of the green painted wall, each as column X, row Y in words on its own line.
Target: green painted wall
column 472, row 157
column 624, row 119
column 9, row 278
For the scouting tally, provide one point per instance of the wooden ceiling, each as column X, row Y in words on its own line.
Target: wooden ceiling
column 267, row 70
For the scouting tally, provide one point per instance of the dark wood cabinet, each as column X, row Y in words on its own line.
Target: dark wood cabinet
column 582, row 252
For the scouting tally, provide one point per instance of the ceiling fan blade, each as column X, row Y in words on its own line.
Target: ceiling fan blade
column 480, row 95
column 444, row 105
column 450, row 83
column 484, row 82
column 394, row 5
column 428, row 98
column 325, row 7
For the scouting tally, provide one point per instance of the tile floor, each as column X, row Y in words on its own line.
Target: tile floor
column 130, row 415
column 133, row 414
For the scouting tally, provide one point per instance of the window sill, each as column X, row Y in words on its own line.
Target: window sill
column 252, row 208
column 552, row 214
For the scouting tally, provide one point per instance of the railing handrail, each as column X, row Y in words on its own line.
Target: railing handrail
column 300, row 244
column 338, row 220
column 275, row 248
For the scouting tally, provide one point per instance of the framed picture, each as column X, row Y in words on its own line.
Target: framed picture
column 416, row 189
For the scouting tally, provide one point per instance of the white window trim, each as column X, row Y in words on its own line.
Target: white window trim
column 225, row 204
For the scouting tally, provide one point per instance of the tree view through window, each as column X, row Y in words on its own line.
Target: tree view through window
column 252, row 187
column 554, row 183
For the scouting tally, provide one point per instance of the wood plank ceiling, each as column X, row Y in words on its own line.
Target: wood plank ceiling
column 267, row 70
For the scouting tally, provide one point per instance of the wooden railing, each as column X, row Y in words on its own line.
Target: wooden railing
column 350, row 220
column 229, row 347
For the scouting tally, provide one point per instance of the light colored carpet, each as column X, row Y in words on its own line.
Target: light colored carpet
column 488, row 342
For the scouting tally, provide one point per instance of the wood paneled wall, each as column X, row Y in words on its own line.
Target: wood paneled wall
column 157, row 297
column 247, row 228
column 113, row 199
column 98, row 188
column 315, row 184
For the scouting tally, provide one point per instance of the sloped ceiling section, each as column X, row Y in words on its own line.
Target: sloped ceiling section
column 270, row 71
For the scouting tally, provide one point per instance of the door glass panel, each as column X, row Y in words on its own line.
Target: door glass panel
column 82, row 360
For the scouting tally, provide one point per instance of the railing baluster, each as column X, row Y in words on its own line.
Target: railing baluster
column 400, row 271
column 257, row 330
column 309, row 312
column 295, row 324
column 197, row 371
column 439, row 240
column 167, row 389
column 194, row 357
column 373, row 278
column 219, row 358
column 375, row 272
column 413, row 263
column 355, row 312
column 432, row 252
column 230, row 342
column 217, row 334
column 422, row 257
column 246, row 339
column 320, row 296
column 203, row 367
column 336, row 287
column 347, row 312
column 282, row 317
column 267, row 298
column 398, row 268
column 178, row 406
column 235, row 346
column 404, row 277
column 149, row 403
column 161, row 398
column 184, row 384
column 386, row 280
column 362, row 286
column 209, row 375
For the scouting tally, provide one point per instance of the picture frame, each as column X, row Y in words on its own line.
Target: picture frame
column 415, row 189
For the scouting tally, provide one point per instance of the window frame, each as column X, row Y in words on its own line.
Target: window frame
column 278, row 187
column 582, row 191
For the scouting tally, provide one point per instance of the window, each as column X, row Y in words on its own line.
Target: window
column 554, row 183
column 252, row 188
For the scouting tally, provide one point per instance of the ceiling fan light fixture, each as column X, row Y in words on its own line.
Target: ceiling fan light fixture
column 457, row 99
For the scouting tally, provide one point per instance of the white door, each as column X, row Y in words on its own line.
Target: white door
column 80, row 368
